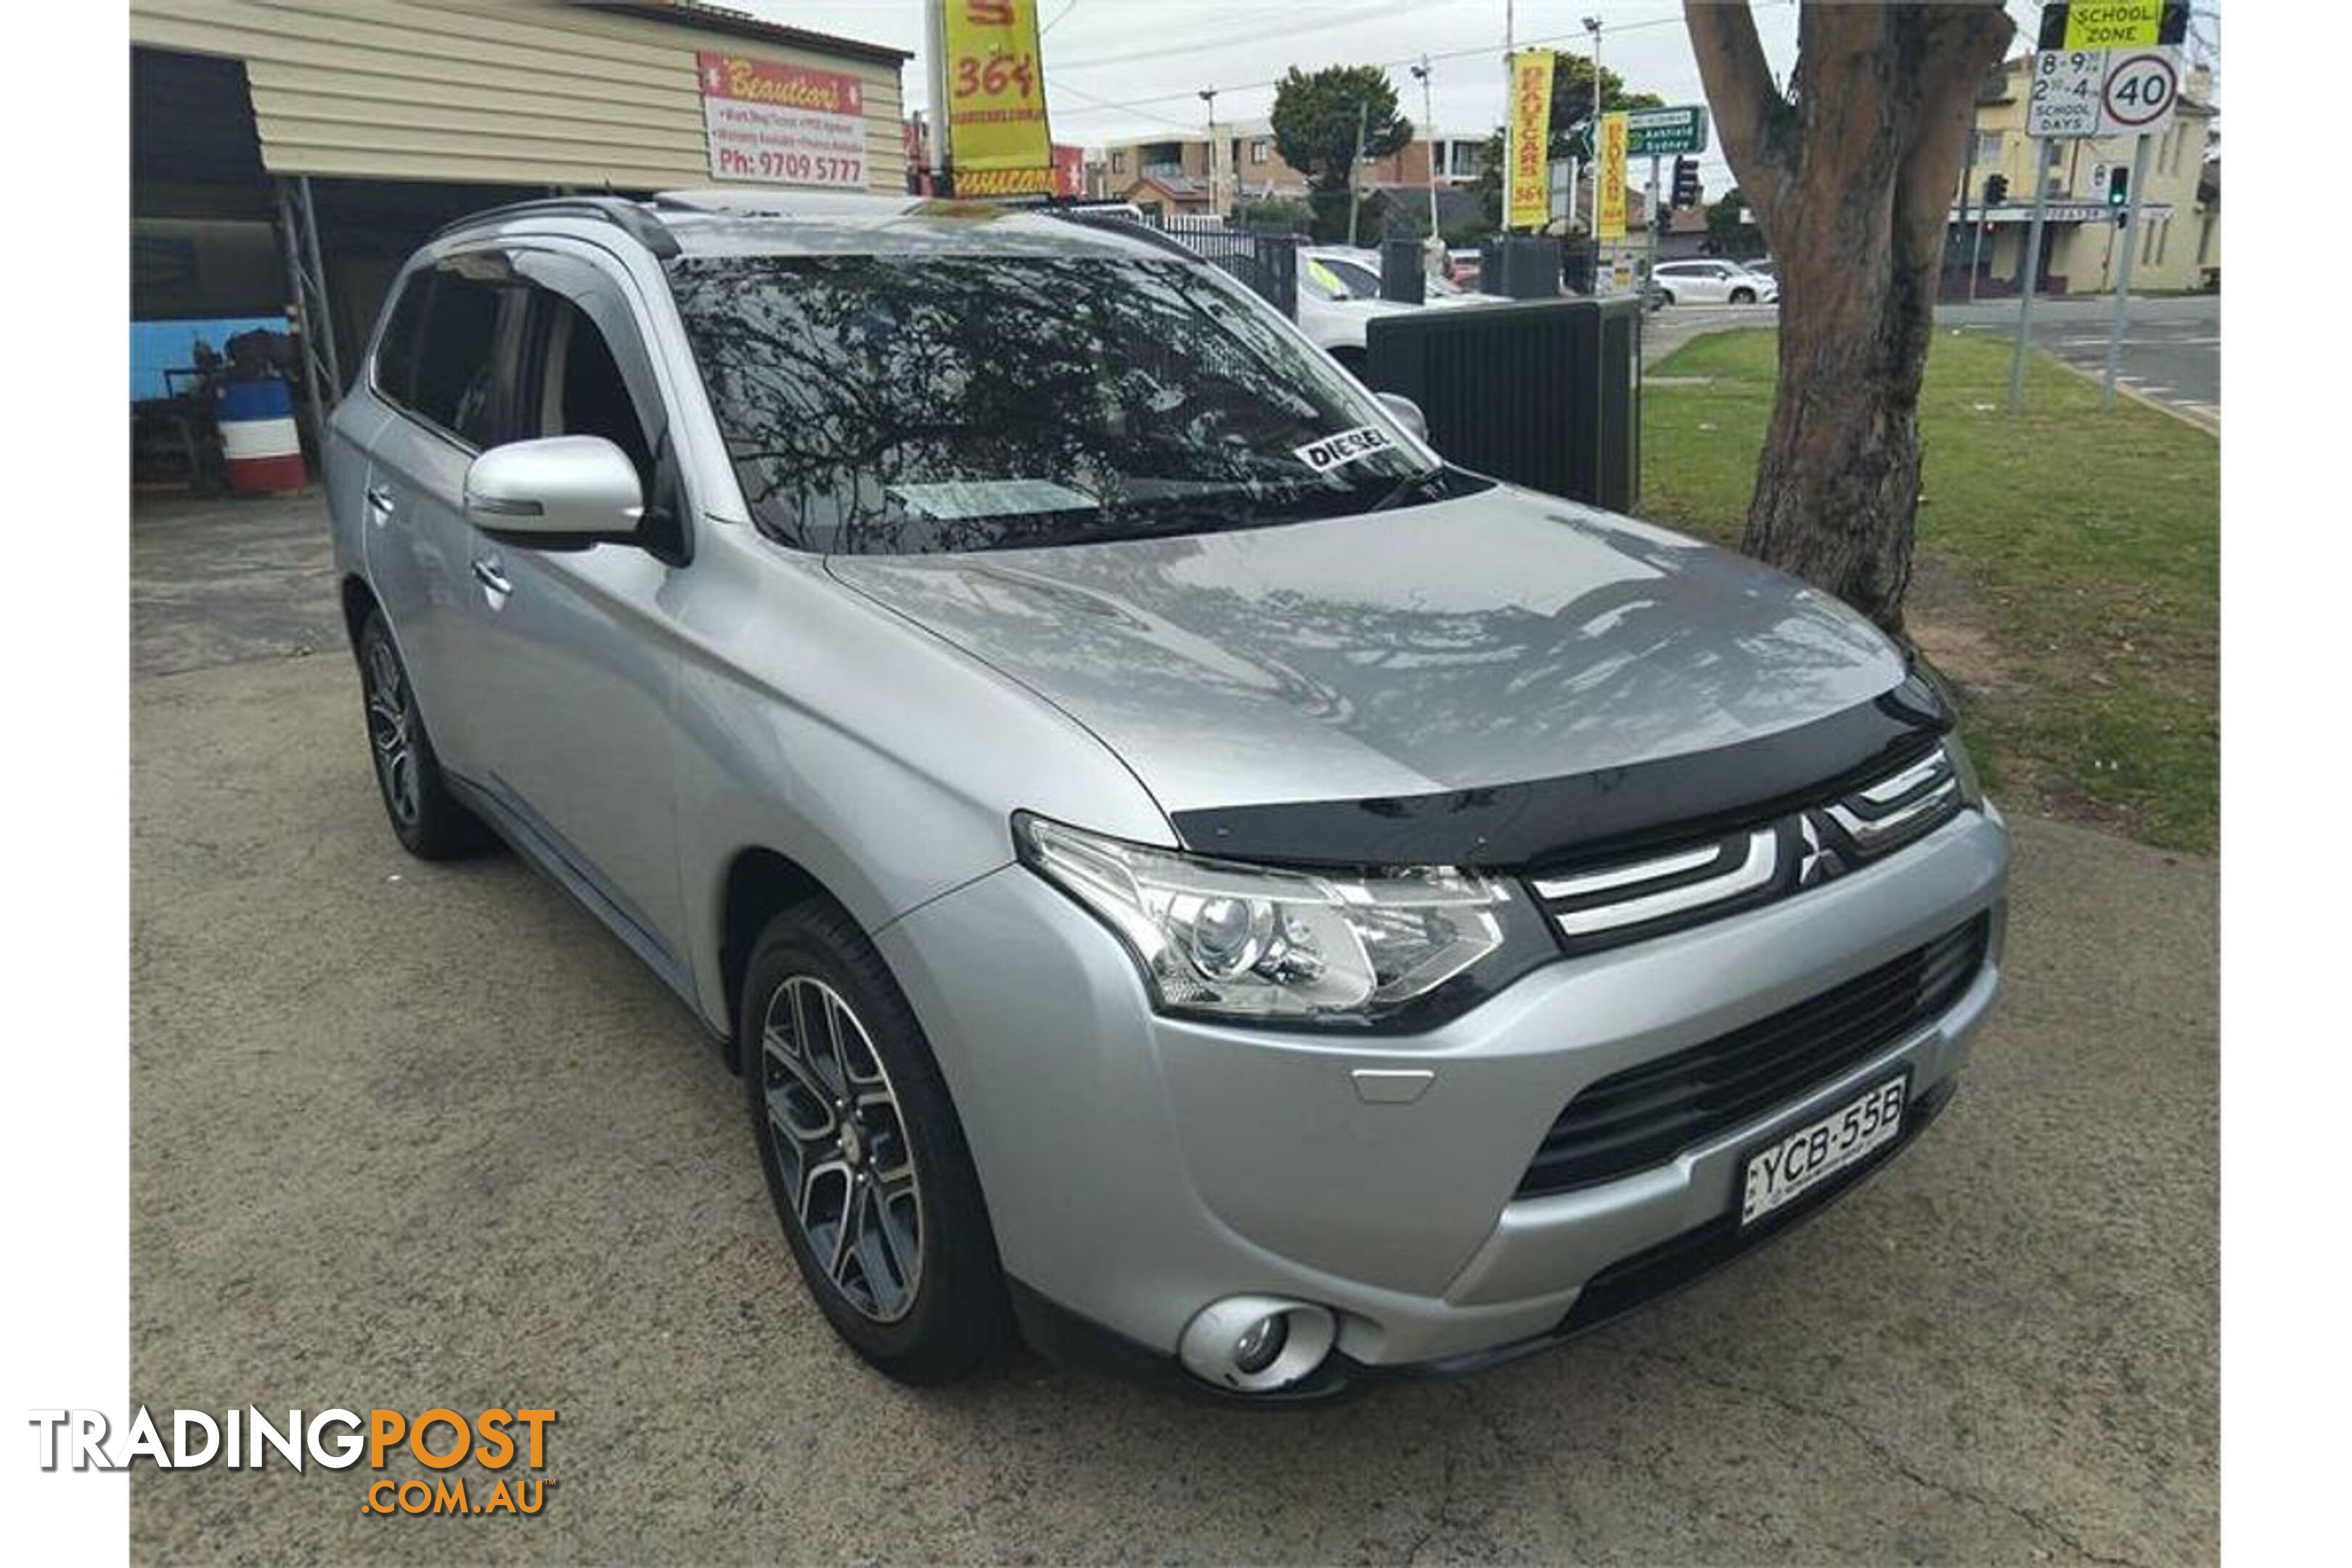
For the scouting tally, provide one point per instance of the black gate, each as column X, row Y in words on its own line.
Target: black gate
column 1265, row 259
column 1543, row 392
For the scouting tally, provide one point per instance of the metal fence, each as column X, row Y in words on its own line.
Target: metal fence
column 1266, row 259
column 1542, row 393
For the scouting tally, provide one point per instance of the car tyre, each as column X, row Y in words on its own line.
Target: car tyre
column 426, row 817
column 1743, row 296
column 1666, row 297
column 864, row 1157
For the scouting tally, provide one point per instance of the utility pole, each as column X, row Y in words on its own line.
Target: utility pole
column 1976, row 246
column 1429, row 132
column 1592, row 219
column 2033, row 273
column 1510, row 120
column 1653, row 214
column 1968, row 180
column 1209, row 97
column 1356, row 170
column 2128, row 232
column 934, row 43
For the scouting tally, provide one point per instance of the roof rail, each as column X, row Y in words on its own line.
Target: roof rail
column 632, row 218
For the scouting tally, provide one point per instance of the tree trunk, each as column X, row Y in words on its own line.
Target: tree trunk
column 1851, row 175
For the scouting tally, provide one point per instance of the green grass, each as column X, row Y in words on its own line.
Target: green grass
column 2069, row 574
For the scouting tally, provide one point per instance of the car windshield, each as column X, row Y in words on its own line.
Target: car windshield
column 894, row 405
column 1316, row 279
column 1361, row 281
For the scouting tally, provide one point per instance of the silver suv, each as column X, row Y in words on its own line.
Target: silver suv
column 1185, row 874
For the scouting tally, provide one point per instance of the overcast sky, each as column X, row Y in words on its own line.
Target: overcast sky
column 1116, row 70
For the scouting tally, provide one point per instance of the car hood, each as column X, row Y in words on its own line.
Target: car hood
column 1495, row 638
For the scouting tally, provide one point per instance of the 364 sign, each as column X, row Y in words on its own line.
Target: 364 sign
column 997, row 135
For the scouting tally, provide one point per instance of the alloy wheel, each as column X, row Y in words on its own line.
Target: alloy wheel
column 392, row 731
column 840, row 1143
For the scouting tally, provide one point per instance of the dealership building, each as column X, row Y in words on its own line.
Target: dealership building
column 287, row 155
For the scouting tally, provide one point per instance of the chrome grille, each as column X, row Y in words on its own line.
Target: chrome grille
column 1608, row 902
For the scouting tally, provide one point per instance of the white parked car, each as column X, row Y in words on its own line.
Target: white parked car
column 1334, row 316
column 1358, row 271
column 1712, row 282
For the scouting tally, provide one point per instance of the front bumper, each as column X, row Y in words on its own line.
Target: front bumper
column 1138, row 1167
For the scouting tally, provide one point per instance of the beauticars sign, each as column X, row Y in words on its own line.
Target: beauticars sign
column 1531, row 192
column 782, row 125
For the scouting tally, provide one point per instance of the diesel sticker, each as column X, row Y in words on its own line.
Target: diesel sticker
column 1345, row 448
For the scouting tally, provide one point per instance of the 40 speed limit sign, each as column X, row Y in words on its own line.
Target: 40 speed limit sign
column 2141, row 88
column 2103, row 92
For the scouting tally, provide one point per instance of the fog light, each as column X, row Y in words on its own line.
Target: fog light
column 1256, row 1344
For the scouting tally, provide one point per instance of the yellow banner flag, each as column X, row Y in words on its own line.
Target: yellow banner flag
column 1609, row 178
column 995, row 78
column 1529, row 203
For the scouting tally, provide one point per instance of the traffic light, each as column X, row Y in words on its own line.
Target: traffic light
column 1995, row 190
column 2118, row 187
column 1686, row 182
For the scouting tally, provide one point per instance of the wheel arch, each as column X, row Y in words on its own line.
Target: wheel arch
column 357, row 599
column 759, row 885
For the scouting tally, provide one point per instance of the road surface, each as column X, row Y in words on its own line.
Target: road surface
column 2172, row 348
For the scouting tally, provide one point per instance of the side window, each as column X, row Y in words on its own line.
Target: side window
column 395, row 355
column 455, row 382
column 582, row 390
column 583, row 369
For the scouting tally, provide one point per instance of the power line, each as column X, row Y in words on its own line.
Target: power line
column 1136, row 105
column 1125, row 108
column 1317, row 24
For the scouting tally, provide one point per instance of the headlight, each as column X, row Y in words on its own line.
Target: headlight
column 1964, row 771
column 1247, row 941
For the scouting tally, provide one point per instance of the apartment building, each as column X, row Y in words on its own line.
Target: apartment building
column 1173, row 173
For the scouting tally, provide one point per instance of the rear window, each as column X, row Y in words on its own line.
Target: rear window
column 897, row 404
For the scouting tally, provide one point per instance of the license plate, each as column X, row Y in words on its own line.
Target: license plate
column 1790, row 1166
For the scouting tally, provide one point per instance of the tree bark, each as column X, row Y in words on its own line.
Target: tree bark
column 1851, row 175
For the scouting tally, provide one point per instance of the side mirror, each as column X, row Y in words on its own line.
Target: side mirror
column 562, row 492
column 1405, row 412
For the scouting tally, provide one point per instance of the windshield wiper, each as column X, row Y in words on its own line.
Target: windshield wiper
column 1403, row 490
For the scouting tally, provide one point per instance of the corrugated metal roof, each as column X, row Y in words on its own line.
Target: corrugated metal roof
column 495, row 92
column 725, row 19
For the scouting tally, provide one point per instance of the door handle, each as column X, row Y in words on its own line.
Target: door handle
column 491, row 577
column 379, row 499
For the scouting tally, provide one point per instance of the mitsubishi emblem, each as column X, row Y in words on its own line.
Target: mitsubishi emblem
column 1820, row 862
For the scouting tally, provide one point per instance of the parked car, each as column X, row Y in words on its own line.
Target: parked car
column 1358, row 272
column 1335, row 316
column 1181, row 869
column 1712, row 283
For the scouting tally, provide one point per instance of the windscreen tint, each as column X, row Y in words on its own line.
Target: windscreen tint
column 897, row 404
